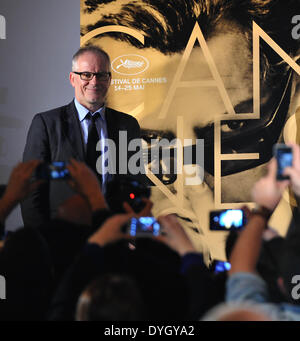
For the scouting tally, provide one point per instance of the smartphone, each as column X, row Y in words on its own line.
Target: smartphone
column 143, row 227
column 53, row 171
column 220, row 266
column 227, row 220
column 284, row 157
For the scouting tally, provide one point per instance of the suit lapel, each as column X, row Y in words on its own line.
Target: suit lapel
column 112, row 124
column 72, row 131
column 113, row 127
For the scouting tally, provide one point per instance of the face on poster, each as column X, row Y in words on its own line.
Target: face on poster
column 216, row 78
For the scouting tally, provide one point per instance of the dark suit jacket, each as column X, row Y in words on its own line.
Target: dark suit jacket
column 56, row 135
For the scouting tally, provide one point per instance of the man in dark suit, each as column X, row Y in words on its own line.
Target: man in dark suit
column 72, row 131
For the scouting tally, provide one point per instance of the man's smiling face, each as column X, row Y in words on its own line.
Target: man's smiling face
column 91, row 94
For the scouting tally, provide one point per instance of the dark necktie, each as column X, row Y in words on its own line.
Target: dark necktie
column 93, row 138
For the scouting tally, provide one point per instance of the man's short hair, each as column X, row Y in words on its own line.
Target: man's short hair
column 92, row 49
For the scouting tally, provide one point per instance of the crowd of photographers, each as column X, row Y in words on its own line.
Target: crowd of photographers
column 84, row 265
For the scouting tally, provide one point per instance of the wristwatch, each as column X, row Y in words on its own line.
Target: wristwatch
column 262, row 211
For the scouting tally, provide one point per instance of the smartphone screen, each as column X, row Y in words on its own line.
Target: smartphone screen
column 220, row 266
column 226, row 220
column 53, row 171
column 284, row 157
column 143, row 227
column 58, row 170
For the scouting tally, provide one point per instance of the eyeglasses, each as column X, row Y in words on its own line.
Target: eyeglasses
column 88, row 76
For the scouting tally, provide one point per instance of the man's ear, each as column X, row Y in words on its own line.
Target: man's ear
column 71, row 78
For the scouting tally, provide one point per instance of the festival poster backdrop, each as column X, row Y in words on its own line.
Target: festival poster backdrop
column 226, row 72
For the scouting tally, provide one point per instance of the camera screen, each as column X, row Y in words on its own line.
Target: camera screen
column 58, row 170
column 227, row 219
column 53, row 171
column 144, row 226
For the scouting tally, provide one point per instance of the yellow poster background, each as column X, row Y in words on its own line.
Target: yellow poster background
column 204, row 69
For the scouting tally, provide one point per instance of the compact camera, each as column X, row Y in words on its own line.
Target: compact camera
column 53, row 171
column 143, row 227
column 126, row 189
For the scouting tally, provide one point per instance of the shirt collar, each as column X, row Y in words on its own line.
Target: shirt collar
column 82, row 111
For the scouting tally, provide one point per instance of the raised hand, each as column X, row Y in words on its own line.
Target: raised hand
column 268, row 191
